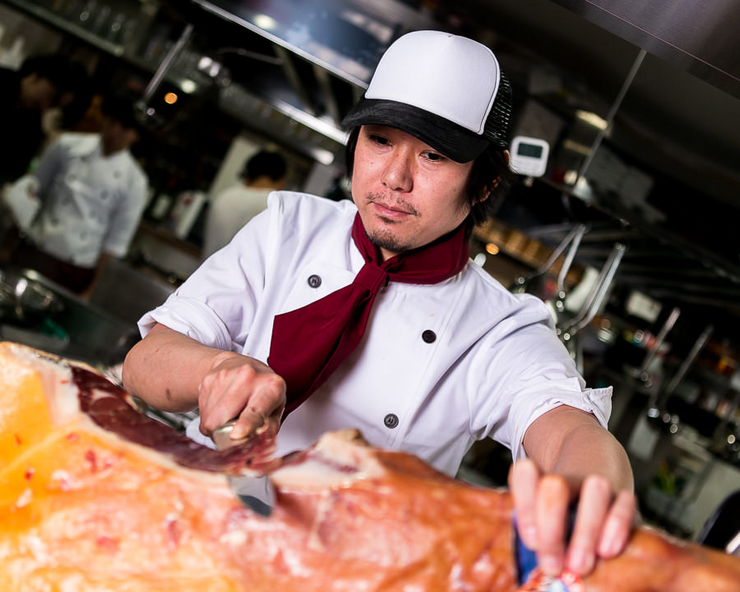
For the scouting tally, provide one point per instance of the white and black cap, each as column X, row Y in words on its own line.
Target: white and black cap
column 444, row 89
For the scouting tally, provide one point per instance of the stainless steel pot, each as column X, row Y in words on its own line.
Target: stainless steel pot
column 25, row 301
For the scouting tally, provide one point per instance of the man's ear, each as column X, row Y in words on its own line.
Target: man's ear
column 485, row 194
column 492, row 187
column 488, row 190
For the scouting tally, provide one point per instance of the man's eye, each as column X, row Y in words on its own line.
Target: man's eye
column 434, row 157
column 379, row 139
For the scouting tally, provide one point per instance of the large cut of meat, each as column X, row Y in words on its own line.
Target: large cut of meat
column 95, row 496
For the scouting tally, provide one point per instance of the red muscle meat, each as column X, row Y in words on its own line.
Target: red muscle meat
column 96, row 496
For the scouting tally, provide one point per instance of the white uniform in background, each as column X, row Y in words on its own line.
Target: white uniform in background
column 90, row 203
column 439, row 367
column 228, row 212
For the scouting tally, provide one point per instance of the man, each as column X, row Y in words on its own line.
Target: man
column 263, row 173
column 371, row 315
column 92, row 193
column 42, row 83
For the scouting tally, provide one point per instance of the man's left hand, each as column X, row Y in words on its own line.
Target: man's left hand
column 603, row 519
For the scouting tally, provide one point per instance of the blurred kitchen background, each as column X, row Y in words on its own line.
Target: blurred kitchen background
column 630, row 235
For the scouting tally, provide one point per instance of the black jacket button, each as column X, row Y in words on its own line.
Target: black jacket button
column 390, row 420
column 314, row 281
column 429, row 336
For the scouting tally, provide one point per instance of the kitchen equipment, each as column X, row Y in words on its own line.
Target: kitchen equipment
column 25, row 301
column 256, row 493
column 722, row 528
column 529, row 156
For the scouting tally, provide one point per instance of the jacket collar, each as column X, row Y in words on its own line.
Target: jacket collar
column 89, row 144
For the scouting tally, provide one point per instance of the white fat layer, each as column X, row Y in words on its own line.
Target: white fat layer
column 56, row 378
column 337, row 460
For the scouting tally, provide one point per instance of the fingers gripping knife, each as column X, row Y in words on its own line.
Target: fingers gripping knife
column 256, row 493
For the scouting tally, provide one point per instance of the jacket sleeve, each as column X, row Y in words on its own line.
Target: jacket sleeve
column 126, row 216
column 50, row 164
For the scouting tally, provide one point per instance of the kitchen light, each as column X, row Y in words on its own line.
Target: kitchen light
column 321, row 155
column 170, row 98
column 188, row 86
column 492, row 249
column 591, row 119
column 570, row 177
column 265, row 22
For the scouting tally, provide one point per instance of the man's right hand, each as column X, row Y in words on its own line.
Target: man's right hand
column 243, row 388
column 173, row 372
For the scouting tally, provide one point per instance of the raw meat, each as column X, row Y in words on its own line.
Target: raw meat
column 95, row 496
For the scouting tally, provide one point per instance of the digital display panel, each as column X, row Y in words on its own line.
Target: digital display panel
column 531, row 150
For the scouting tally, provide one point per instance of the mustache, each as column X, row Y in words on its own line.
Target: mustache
column 392, row 202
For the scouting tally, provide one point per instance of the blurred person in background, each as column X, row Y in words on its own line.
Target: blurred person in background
column 233, row 208
column 42, row 84
column 90, row 193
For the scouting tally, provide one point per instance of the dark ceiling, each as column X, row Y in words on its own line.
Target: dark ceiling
column 693, row 126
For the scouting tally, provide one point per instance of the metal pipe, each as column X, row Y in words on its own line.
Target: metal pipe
column 698, row 345
column 575, row 233
column 294, row 80
column 166, row 63
column 598, row 292
column 667, row 326
column 580, row 229
column 612, row 112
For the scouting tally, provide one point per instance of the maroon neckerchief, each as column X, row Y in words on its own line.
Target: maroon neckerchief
column 310, row 343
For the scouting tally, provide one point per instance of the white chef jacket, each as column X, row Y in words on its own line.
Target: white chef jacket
column 439, row 365
column 90, row 203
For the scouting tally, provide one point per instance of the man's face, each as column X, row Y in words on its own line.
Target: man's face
column 407, row 193
column 115, row 136
column 38, row 93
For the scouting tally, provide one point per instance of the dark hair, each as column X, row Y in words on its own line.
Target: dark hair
column 270, row 164
column 489, row 180
column 121, row 106
column 64, row 74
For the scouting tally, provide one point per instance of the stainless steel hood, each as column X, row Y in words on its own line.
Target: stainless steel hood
column 699, row 37
column 344, row 37
column 327, row 51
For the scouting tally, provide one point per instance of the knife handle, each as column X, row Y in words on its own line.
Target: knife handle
column 526, row 558
column 221, row 436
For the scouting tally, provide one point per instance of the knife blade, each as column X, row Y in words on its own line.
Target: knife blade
column 256, row 493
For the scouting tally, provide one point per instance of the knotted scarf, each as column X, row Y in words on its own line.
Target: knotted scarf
column 310, row 343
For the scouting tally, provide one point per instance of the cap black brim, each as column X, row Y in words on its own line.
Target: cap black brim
column 451, row 140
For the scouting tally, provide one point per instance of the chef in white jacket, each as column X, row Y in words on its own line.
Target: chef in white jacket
column 322, row 315
column 90, row 192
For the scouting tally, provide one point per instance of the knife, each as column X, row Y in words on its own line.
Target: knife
column 256, row 493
